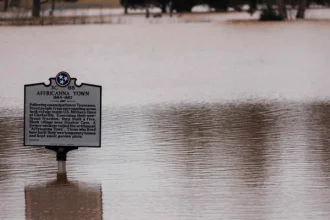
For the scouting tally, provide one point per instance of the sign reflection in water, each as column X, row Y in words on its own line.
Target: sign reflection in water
column 63, row 199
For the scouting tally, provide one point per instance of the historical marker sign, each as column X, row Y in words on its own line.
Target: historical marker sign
column 62, row 113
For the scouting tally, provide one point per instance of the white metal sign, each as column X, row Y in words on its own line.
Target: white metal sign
column 62, row 113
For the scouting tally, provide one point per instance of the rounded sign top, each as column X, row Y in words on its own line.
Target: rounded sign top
column 62, row 79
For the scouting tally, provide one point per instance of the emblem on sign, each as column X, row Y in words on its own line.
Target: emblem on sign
column 62, row 113
column 62, row 79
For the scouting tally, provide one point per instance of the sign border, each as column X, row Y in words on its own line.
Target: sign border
column 82, row 84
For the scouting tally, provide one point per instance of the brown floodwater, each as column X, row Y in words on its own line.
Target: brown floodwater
column 217, row 120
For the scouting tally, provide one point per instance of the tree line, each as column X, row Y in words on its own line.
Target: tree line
column 271, row 9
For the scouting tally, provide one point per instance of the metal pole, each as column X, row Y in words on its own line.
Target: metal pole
column 61, row 167
column 61, row 154
column 61, row 161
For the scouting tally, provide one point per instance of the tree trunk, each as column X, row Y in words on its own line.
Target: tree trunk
column 252, row 6
column 171, row 8
column 53, row 7
column 282, row 9
column 14, row 3
column 147, row 12
column 125, row 6
column 36, row 8
column 301, row 9
column 5, row 5
column 164, row 8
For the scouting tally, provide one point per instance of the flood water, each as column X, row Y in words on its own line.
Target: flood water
column 220, row 120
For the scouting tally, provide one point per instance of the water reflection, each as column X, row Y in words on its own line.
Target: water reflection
column 319, row 130
column 10, row 133
column 27, row 159
column 233, row 137
column 242, row 156
column 63, row 199
column 222, row 155
column 247, row 160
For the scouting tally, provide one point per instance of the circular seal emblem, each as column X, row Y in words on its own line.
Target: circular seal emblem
column 62, row 79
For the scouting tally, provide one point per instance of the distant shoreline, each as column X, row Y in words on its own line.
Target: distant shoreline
column 87, row 14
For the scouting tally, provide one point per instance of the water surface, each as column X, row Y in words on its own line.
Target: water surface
column 200, row 121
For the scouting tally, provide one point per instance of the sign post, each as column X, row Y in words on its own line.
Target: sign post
column 62, row 116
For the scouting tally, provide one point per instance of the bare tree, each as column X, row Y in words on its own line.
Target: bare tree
column 53, row 7
column 282, row 13
column 301, row 9
column 37, row 7
column 281, row 4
